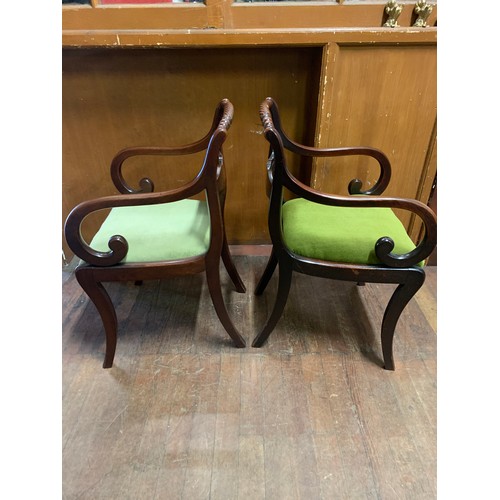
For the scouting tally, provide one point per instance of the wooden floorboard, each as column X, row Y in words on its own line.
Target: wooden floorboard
column 311, row 415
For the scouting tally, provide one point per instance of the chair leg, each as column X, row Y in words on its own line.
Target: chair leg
column 268, row 272
column 214, row 286
column 285, row 280
column 400, row 298
column 231, row 268
column 99, row 296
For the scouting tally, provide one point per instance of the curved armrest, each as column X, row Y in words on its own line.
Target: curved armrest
column 355, row 185
column 222, row 119
column 146, row 184
column 270, row 118
column 118, row 245
column 385, row 245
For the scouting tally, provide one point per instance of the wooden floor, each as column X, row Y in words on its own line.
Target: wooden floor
column 311, row 415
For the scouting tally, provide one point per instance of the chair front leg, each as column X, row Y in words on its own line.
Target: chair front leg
column 285, row 280
column 99, row 296
column 267, row 274
column 400, row 298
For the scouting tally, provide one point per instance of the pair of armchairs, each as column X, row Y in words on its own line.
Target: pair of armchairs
column 149, row 235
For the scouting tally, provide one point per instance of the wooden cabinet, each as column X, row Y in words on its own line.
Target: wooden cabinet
column 132, row 74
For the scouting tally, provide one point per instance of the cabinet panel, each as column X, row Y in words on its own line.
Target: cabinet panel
column 380, row 96
column 229, row 14
column 83, row 19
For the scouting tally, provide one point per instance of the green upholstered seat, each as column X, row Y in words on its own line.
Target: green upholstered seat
column 340, row 234
column 167, row 231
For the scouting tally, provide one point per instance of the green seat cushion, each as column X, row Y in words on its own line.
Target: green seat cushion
column 340, row 234
column 167, row 231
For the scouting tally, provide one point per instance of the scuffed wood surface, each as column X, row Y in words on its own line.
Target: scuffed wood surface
column 184, row 415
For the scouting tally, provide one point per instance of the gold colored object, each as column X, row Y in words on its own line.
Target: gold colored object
column 393, row 10
column 423, row 10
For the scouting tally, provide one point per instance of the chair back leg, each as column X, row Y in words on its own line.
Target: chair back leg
column 231, row 268
column 267, row 274
column 285, row 280
column 99, row 296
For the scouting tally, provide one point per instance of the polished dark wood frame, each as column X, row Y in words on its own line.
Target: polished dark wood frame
column 101, row 267
column 395, row 269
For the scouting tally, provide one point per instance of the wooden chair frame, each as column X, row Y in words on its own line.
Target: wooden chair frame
column 397, row 269
column 100, row 267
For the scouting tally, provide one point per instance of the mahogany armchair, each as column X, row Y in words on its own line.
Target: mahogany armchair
column 151, row 235
column 355, row 238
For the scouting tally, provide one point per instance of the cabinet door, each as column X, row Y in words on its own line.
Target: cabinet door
column 383, row 96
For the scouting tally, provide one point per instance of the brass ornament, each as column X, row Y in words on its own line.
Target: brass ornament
column 423, row 10
column 393, row 10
